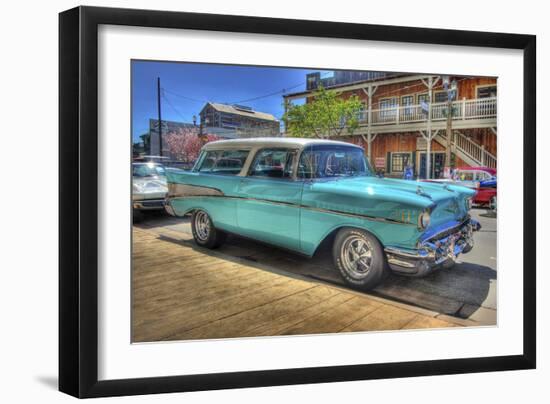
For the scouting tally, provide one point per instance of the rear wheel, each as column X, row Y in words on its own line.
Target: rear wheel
column 204, row 232
column 360, row 258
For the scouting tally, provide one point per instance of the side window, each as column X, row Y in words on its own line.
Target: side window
column 466, row 176
column 274, row 163
column 308, row 165
column 229, row 162
column 482, row 176
column 208, row 161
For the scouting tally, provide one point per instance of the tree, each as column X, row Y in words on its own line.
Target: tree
column 185, row 144
column 326, row 116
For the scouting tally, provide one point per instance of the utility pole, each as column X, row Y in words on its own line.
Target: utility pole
column 449, row 131
column 429, row 139
column 430, row 84
column 450, row 88
column 369, row 91
column 285, row 116
column 160, row 116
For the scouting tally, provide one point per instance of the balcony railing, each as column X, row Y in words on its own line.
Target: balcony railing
column 481, row 108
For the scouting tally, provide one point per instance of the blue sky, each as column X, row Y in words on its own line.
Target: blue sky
column 187, row 87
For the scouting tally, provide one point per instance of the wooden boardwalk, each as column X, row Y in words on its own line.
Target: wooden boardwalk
column 181, row 292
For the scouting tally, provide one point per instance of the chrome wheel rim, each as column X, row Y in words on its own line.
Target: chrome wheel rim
column 356, row 256
column 202, row 226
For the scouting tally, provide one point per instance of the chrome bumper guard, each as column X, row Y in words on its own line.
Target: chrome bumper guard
column 437, row 251
column 168, row 207
column 148, row 204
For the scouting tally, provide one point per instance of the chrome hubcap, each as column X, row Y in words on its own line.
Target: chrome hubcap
column 202, row 226
column 356, row 256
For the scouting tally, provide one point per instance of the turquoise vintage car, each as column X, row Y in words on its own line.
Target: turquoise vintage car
column 298, row 193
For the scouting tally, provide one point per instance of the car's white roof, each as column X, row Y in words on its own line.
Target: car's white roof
column 272, row 142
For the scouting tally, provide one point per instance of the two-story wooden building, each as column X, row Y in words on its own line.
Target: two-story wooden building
column 234, row 121
column 404, row 117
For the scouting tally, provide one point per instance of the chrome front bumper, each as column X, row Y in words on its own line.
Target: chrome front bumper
column 437, row 250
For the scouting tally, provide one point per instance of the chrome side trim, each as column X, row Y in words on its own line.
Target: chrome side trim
column 181, row 190
column 235, row 197
column 367, row 217
column 200, row 194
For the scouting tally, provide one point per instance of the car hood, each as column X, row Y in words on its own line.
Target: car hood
column 390, row 198
column 420, row 194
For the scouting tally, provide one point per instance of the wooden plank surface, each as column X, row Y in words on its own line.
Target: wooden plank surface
column 182, row 292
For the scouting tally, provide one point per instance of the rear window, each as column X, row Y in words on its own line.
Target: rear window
column 228, row 162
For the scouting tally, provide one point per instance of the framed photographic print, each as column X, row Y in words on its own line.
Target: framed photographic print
column 251, row 201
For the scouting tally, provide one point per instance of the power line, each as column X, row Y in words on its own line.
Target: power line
column 282, row 91
column 185, row 97
column 267, row 95
column 173, row 107
column 271, row 94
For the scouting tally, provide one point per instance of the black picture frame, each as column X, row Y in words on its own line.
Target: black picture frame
column 78, row 201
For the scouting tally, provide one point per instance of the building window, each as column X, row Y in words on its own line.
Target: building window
column 399, row 161
column 440, row 96
column 407, row 101
column 420, row 98
column 487, row 91
column 388, row 109
column 362, row 113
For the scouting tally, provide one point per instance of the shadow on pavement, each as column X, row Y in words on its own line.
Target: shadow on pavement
column 457, row 291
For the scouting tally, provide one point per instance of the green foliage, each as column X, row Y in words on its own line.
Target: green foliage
column 326, row 115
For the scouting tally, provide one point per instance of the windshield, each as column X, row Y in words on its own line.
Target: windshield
column 147, row 170
column 333, row 161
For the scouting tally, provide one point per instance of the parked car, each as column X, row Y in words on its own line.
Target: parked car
column 298, row 193
column 486, row 179
column 482, row 179
column 149, row 187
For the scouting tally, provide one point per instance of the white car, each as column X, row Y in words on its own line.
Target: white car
column 149, row 187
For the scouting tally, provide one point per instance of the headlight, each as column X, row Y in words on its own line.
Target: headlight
column 424, row 220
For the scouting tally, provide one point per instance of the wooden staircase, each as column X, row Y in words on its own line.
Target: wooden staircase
column 468, row 150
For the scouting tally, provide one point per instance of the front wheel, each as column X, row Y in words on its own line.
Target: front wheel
column 204, row 232
column 359, row 257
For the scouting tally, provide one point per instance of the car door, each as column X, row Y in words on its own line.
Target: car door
column 268, row 207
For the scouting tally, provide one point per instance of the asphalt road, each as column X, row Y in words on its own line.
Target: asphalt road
column 468, row 290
